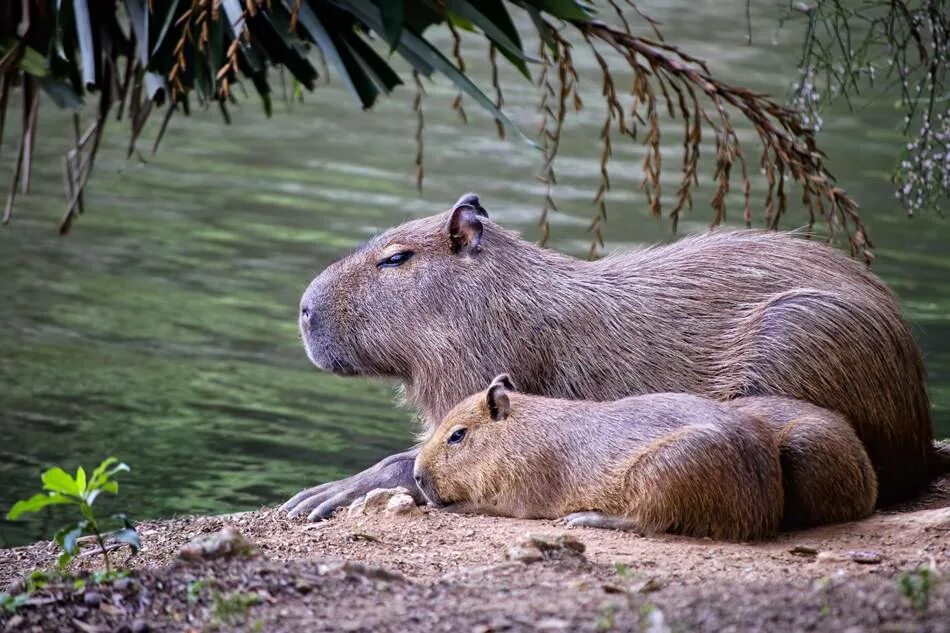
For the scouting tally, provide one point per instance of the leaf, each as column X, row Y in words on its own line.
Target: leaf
column 422, row 49
column 563, row 9
column 130, row 536
column 86, row 42
column 61, row 93
column 493, row 19
column 100, row 471
column 393, row 13
column 81, row 480
column 33, row 62
column 381, row 72
column 69, row 535
column 91, row 496
column 425, row 50
column 356, row 80
column 36, row 502
column 58, row 480
column 110, row 486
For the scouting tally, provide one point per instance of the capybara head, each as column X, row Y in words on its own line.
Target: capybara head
column 424, row 302
column 464, row 458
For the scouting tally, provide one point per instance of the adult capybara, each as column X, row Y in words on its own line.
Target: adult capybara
column 653, row 463
column 444, row 303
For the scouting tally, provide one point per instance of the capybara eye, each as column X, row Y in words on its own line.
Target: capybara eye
column 395, row 260
column 457, row 436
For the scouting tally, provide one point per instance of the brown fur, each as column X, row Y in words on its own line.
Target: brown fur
column 826, row 474
column 664, row 462
column 725, row 314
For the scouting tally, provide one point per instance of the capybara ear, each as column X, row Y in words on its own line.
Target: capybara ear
column 465, row 230
column 505, row 380
column 499, row 406
column 471, row 199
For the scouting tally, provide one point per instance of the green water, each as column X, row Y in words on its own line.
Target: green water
column 163, row 329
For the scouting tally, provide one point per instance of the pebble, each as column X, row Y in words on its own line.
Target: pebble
column 402, row 505
column 224, row 543
column 92, row 599
column 393, row 501
column 865, row 557
column 531, row 548
column 804, row 550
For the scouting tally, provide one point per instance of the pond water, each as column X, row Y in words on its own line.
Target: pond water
column 163, row 329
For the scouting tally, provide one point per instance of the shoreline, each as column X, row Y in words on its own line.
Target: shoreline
column 428, row 570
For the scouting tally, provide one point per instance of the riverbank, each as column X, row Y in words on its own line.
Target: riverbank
column 428, row 570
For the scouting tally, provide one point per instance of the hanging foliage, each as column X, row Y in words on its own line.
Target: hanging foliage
column 136, row 57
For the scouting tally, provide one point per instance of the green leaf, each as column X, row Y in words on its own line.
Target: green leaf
column 64, row 559
column 374, row 65
column 33, row 62
column 110, row 486
column 100, row 471
column 393, row 13
column 424, row 49
column 37, row 502
column 354, row 77
column 61, row 93
column 563, row 9
column 87, row 512
column 58, row 480
column 81, row 480
column 492, row 18
column 67, row 536
column 131, row 536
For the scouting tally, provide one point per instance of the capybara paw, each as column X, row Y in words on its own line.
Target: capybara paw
column 320, row 502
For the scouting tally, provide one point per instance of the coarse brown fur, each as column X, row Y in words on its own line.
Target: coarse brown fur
column 725, row 314
column 663, row 462
column 826, row 474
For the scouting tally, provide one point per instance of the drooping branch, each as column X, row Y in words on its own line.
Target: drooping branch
column 208, row 46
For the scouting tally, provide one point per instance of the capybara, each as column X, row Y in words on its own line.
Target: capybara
column 444, row 303
column 826, row 474
column 668, row 462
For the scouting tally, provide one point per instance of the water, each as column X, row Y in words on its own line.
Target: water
column 163, row 329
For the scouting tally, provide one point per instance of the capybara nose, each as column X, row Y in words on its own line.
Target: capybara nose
column 418, row 479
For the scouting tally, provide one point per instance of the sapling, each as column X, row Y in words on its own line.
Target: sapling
column 62, row 488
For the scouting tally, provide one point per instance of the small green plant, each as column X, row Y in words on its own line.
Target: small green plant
column 916, row 586
column 62, row 488
column 194, row 590
column 622, row 569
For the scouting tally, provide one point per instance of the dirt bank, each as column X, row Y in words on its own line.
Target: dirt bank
column 432, row 571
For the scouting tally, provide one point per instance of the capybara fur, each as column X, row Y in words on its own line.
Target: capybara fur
column 662, row 462
column 446, row 302
column 826, row 474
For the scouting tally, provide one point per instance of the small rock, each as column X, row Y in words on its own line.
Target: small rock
column 375, row 501
column 227, row 542
column 533, row 547
column 141, row 626
column 804, row 550
column 402, row 505
column 865, row 557
column 92, row 599
column 552, row 624
column 13, row 623
column 524, row 554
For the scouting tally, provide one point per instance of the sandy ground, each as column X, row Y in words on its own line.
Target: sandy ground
column 432, row 571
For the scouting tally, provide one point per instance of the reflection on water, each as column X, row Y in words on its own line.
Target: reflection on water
column 163, row 330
